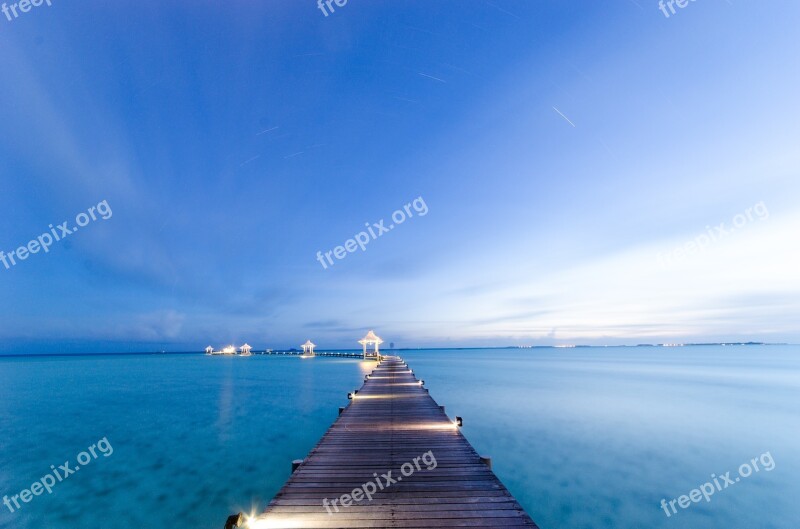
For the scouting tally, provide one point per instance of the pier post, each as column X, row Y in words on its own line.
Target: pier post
column 296, row 464
column 487, row 460
column 234, row 520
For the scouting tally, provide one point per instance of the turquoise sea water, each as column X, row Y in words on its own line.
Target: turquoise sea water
column 583, row 437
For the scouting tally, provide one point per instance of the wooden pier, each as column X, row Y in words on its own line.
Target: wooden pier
column 435, row 480
column 301, row 353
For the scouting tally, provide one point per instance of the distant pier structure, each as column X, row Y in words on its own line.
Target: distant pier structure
column 370, row 344
column 308, row 348
column 375, row 341
column 245, row 350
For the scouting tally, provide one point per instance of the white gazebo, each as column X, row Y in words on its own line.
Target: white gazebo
column 245, row 350
column 371, row 339
column 308, row 348
column 209, row 350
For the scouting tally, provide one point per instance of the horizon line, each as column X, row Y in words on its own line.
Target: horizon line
column 201, row 352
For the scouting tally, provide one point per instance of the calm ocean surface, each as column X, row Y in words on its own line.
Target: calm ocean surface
column 585, row 438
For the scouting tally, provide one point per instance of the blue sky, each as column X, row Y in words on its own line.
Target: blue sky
column 563, row 150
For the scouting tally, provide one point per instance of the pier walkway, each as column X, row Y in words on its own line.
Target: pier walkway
column 301, row 353
column 395, row 444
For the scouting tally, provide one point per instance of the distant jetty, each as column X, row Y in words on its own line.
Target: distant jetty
column 370, row 350
column 245, row 350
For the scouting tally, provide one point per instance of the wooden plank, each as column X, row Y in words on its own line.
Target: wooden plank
column 395, row 443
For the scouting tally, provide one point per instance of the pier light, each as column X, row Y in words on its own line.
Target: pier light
column 350, row 396
column 308, row 348
column 459, row 422
column 256, row 522
column 371, row 339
